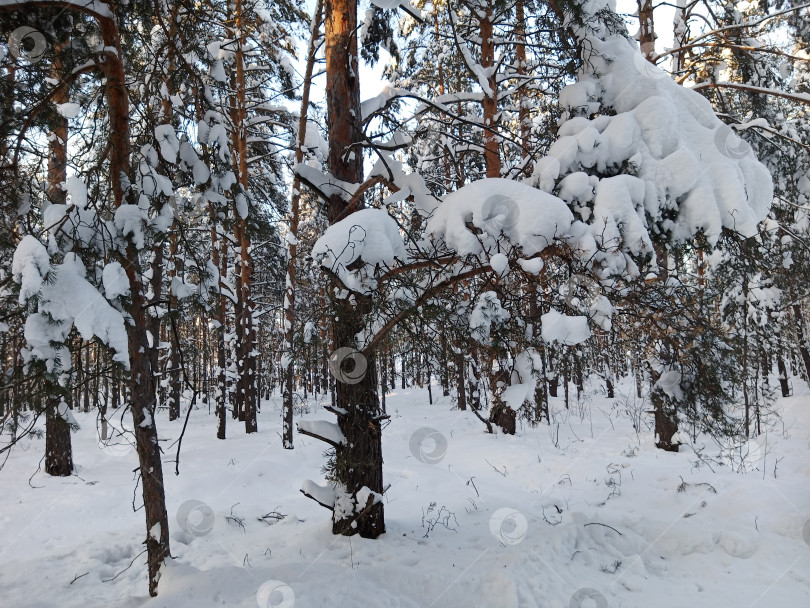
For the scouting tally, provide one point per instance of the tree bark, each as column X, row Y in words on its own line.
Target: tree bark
column 142, row 381
column 804, row 348
column 492, row 155
column 246, row 393
column 174, row 360
column 58, row 449
column 358, row 463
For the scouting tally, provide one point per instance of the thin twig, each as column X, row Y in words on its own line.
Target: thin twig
column 596, row 523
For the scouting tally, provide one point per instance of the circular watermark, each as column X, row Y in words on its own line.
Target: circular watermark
column 117, row 446
column 587, row 598
column 195, row 517
column 648, row 69
column 756, row 450
column 428, row 445
column 27, row 44
column 508, row 526
column 275, row 594
column 582, row 288
column 730, row 144
column 348, row 365
column 499, row 212
column 806, row 532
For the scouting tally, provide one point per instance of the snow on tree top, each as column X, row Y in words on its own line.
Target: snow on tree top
column 664, row 136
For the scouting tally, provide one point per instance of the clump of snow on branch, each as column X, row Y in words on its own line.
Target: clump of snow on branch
column 507, row 214
column 488, row 310
column 358, row 247
column 523, row 380
column 66, row 299
column 568, row 330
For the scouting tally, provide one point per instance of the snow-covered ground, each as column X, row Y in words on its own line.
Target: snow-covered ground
column 585, row 513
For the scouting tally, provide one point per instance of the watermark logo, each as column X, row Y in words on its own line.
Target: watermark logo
column 806, row 532
column 500, row 213
column 195, row 517
column 648, row 69
column 428, row 445
column 582, row 292
column 117, row 446
column 348, row 365
column 27, row 44
column 587, row 598
column 756, row 450
column 508, row 526
column 275, row 594
column 730, row 144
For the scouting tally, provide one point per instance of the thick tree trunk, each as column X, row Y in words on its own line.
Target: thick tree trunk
column 58, row 449
column 358, row 463
column 646, row 32
column 246, row 392
column 665, row 423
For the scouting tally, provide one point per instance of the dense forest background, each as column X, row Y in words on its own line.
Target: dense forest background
column 200, row 214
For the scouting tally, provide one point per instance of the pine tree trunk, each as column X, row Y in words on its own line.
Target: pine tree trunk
column 221, row 390
column 58, row 449
column 783, row 374
column 246, row 394
column 523, row 112
column 358, row 463
column 492, row 155
column 461, row 389
column 174, row 361
column 142, row 387
column 804, row 348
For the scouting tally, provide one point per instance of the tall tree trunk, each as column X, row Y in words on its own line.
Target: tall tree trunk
column 804, row 348
column 523, row 100
column 783, row 374
column 58, row 448
column 358, row 463
column 174, row 330
column 492, row 154
column 142, row 380
column 246, row 393
column 221, row 380
column 289, row 297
